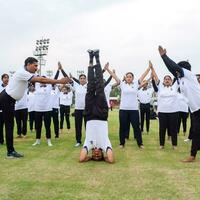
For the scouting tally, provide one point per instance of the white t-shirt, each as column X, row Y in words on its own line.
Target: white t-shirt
column 80, row 92
column 129, row 99
column 145, row 96
column 107, row 91
column 167, row 98
column 43, row 98
column 97, row 135
column 18, row 83
column 22, row 103
column 31, row 101
column 191, row 89
column 66, row 99
column 183, row 103
column 55, row 94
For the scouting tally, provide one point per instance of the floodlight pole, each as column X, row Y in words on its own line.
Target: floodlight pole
column 41, row 50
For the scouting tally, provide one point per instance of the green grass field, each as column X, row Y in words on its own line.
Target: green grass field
column 54, row 172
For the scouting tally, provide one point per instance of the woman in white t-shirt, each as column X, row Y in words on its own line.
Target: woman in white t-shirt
column 55, row 93
column 129, row 111
column 168, row 108
column 43, row 109
column 66, row 96
column 80, row 90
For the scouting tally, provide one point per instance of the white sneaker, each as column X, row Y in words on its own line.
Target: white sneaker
column 187, row 140
column 37, row 142
column 77, row 144
column 49, row 143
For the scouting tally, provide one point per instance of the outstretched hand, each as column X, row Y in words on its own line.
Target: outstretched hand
column 59, row 66
column 64, row 80
column 162, row 51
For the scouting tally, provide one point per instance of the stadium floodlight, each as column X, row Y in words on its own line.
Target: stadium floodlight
column 41, row 50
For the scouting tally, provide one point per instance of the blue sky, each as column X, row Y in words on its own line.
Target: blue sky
column 126, row 31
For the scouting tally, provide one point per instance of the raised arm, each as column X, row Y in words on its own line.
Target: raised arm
column 76, row 80
column 57, row 73
column 144, row 75
column 62, row 70
column 154, row 85
column 153, row 73
column 108, row 81
column 170, row 64
column 73, row 79
column 112, row 73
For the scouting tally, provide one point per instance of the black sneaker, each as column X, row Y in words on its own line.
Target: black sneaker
column 96, row 51
column 14, row 154
column 90, row 51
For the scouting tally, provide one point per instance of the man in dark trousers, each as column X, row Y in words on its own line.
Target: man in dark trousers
column 15, row 91
column 189, row 86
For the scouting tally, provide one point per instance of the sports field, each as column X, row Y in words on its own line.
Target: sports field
column 54, row 172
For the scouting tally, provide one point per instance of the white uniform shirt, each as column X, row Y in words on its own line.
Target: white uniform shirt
column 43, row 98
column 80, row 92
column 55, row 94
column 97, row 135
column 31, row 101
column 22, row 103
column 191, row 89
column 107, row 91
column 18, row 83
column 167, row 98
column 144, row 96
column 183, row 103
column 129, row 99
column 66, row 99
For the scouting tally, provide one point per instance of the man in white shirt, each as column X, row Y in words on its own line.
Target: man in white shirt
column 190, row 89
column 96, row 111
column 145, row 96
column 15, row 91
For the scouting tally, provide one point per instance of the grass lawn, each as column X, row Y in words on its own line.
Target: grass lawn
column 54, row 172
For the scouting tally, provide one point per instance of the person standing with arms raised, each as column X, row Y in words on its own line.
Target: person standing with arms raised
column 190, row 88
